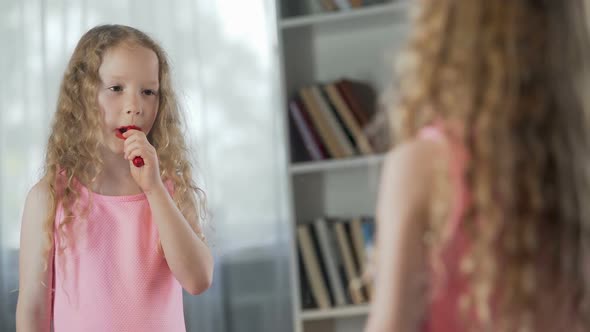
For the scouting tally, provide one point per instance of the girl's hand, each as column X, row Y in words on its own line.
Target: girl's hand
column 136, row 144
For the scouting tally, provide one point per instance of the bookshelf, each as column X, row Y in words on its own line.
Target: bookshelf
column 329, row 165
column 317, row 47
column 371, row 12
column 349, row 311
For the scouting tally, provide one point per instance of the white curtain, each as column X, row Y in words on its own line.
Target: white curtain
column 223, row 55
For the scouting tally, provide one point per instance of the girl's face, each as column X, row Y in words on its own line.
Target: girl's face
column 129, row 91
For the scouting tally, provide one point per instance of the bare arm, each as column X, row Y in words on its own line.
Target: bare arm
column 407, row 178
column 187, row 255
column 33, row 310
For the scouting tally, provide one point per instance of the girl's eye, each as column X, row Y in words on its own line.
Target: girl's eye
column 150, row 92
column 116, row 88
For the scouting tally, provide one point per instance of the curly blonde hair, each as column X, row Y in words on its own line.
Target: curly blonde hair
column 73, row 151
column 512, row 74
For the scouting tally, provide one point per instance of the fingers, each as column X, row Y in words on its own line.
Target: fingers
column 138, row 150
column 133, row 133
column 137, row 145
column 133, row 139
column 135, row 153
column 128, row 147
column 135, row 142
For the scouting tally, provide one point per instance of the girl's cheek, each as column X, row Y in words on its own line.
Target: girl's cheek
column 107, row 105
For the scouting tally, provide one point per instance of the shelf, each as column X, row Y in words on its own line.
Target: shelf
column 316, row 19
column 328, row 165
column 348, row 311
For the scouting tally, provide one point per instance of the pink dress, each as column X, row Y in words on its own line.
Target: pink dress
column 443, row 313
column 112, row 277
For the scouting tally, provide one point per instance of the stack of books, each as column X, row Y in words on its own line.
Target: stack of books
column 329, row 119
column 333, row 254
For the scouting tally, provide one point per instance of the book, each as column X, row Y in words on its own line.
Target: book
column 348, row 135
column 360, row 139
column 333, row 124
column 368, row 225
column 360, row 97
column 358, row 244
column 368, row 229
column 322, row 263
column 347, row 256
column 321, row 124
column 307, row 299
column 329, row 257
column 310, row 138
column 312, row 267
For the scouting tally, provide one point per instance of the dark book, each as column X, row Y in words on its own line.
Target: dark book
column 355, row 131
column 352, row 275
column 339, row 260
column 360, row 97
column 322, row 264
column 335, row 128
column 337, row 116
column 307, row 132
column 368, row 229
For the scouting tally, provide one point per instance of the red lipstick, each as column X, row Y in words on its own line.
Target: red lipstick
column 137, row 161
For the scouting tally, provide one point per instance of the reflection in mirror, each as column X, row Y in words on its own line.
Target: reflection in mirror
column 224, row 71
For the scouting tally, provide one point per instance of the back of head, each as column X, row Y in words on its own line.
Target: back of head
column 511, row 74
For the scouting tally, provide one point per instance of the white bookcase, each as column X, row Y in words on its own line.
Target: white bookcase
column 358, row 44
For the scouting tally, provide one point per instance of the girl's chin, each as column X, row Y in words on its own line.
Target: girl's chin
column 114, row 148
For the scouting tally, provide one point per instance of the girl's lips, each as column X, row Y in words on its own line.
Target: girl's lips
column 121, row 130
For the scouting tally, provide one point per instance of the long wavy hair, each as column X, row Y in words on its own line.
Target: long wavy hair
column 73, row 151
column 513, row 74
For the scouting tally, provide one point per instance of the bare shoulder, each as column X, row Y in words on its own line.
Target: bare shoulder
column 413, row 160
column 37, row 205
column 407, row 179
column 38, row 195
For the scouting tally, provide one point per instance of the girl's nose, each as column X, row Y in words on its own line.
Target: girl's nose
column 133, row 104
column 136, row 112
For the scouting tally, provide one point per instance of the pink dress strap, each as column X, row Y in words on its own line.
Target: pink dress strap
column 457, row 157
column 447, row 286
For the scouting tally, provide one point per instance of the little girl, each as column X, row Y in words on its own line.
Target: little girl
column 484, row 208
column 110, row 234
